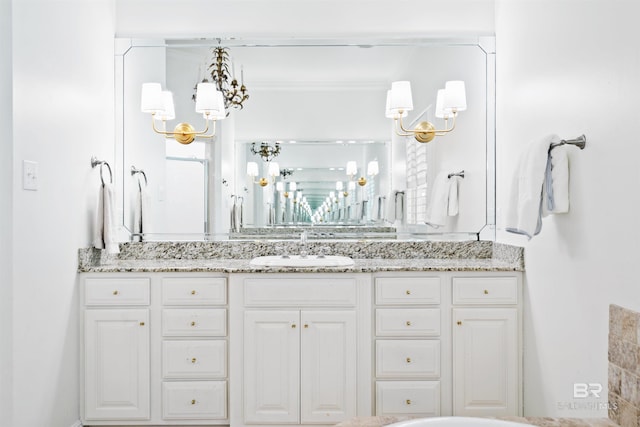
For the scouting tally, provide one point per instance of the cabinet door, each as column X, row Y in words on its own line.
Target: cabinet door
column 328, row 366
column 485, row 361
column 271, row 367
column 116, row 364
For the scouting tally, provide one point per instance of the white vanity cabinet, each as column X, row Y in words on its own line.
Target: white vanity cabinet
column 302, row 353
column 154, row 349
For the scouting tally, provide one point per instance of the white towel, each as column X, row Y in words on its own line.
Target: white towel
column 453, row 204
column 525, row 208
column 438, row 206
column 141, row 213
column 556, row 187
column 105, row 231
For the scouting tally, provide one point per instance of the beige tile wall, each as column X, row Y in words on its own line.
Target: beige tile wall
column 624, row 366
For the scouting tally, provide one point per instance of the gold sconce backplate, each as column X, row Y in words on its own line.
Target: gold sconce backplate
column 184, row 133
column 425, row 132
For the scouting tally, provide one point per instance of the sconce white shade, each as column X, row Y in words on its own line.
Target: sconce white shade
column 440, row 111
column 372, row 168
column 252, row 169
column 168, row 110
column 401, row 99
column 455, row 97
column 274, row 169
column 352, row 185
column 207, row 98
column 292, row 186
column 279, row 186
column 390, row 114
column 151, row 99
column 339, row 185
column 299, row 195
column 352, row 168
column 332, row 195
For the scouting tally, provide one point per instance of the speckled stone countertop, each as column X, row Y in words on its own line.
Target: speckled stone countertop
column 369, row 257
column 535, row 421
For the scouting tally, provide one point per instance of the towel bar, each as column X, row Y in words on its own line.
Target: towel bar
column 460, row 174
column 95, row 162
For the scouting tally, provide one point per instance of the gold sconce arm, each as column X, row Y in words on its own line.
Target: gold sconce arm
column 184, row 133
column 424, row 131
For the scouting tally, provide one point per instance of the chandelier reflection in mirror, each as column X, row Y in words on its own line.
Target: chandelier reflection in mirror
column 266, row 151
column 233, row 93
column 449, row 101
column 159, row 104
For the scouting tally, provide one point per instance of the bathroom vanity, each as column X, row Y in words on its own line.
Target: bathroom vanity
column 219, row 342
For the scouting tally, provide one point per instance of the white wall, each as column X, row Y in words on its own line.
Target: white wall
column 63, row 114
column 6, row 256
column 571, row 67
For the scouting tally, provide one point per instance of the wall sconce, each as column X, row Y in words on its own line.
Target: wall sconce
column 340, row 189
column 292, row 188
column 253, row 172
column 352, row 170
column 159, row 103
column 450, row 100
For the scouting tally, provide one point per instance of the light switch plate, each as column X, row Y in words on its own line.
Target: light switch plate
column 29, row 175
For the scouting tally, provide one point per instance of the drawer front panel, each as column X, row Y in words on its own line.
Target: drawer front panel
column 194, row 291
column 485, row 290
column 407, row 290
column 194, row 322
column 408, row 398
column 408, row 322
column 121, row 291
column 300, row 292
column 194, row 359
column 194, row 400
column 408, row 358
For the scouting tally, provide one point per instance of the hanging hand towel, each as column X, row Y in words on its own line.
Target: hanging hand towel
column 141, row 213
column 556, row 187
column 105, row 232
column 525, row 208
column 453, row 204
column 438, row 206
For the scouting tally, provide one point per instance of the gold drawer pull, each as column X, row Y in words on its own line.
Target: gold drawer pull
column 193, row 292
column 408, row 322
column 306, row 325
column 193, row 401
column 141, row 323
column 193, row 360
column 459, row 322
column 486, row 292
column 293, row 325
column 115, row 292
column 193, row 323
column 408, row 292
column 408, row 401
column 408, row 360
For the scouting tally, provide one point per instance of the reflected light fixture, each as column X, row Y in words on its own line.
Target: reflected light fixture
column 449, row 102
column 352, row 171
column 266, row 150
column 233, row 93
column 253, row 172
column 160, row 104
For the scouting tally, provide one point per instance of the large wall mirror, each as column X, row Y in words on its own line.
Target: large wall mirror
column 322, row 103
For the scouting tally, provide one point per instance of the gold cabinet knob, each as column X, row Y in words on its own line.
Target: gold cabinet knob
column 293, row 325
column 459, row 322
column 408, row 292
column 408, row 322
column 193, row 401
column 408, row 401
column 193, row 323
column 193, row 292
column 486, row 292
column 408, row 360
column 116, row 292
column 193, row 360
column 141, row 323
column 306, row 325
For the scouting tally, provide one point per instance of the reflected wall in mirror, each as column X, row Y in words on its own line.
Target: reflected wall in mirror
column 314, row 93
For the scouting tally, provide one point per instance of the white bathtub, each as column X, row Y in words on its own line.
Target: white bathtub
column 457, row 422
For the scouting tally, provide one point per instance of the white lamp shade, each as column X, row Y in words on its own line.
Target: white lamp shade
column 441, row 113
column 352, row 168
column 401, row 99
column 168, row 110
column 274, row 169
column 299, row 195
column 332, row 195
column 352, row 185
column 455, row 97
column 252, row 169
column 206, row 98
column 372, row 168
column 293, row 186
column 339, row 185
column 151, row 99
column 279, row 186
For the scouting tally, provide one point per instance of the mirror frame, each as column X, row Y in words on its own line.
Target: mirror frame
column 408, row 232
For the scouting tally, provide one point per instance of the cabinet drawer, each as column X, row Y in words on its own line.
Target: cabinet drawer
column 194, row 400
column 194, row 359
column 194, row 291
column 194, row 322
column 408, row 398
column 300, row 292
column 407, row 358
column 408, row 322
column 407, row 290
column 109, row 291
column 485, row 290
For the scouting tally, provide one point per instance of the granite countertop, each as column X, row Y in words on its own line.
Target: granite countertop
column 369, row 257
column 535, row 421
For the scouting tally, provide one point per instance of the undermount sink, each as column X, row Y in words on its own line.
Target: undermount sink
column 299, row 261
